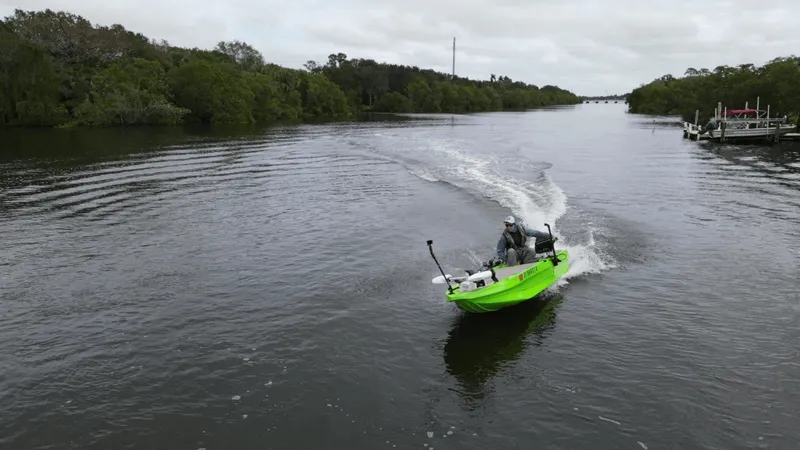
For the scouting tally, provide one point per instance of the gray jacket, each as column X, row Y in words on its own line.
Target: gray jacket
column 502, row 244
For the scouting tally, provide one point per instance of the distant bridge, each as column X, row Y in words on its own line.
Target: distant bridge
column 604, row 100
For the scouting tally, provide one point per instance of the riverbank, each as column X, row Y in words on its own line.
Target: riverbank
column 775, row 83
column 66, row 72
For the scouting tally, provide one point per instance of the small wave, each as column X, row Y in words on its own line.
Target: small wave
column 422, row 173
column 585, row 258
column 136, row 183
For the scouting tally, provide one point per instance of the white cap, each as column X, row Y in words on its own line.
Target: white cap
column 509, row 219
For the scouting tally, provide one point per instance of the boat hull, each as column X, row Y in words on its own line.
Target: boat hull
column 515, row 285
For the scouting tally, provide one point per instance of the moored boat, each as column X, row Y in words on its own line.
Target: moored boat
column 748, row 124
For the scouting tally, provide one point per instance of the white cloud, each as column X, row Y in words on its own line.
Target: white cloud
column 591, row 47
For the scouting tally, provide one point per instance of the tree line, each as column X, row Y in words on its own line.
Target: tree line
column 777, row 83
column 58, row 69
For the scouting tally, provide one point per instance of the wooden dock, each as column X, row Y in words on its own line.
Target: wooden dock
column 777, row 134
column 741, row 125
column 693, row 132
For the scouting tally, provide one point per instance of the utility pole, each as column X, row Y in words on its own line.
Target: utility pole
column 454, row 59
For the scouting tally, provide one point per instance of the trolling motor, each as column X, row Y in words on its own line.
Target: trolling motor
column 552, row 246
column 446, row 278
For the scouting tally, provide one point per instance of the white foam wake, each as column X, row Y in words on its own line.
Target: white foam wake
column 536, row 203
column 422, row 173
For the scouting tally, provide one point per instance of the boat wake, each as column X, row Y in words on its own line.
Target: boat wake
column 526, row 190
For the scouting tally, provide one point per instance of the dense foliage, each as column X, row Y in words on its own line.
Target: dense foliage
column 57, row 69
column 777, row 83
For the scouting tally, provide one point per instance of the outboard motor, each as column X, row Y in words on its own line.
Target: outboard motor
column 545, row 246
column 711, row 126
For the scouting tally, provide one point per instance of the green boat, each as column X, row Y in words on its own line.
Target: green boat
column 496, row 286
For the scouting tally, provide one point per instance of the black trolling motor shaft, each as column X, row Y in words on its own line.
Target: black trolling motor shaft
column 430, row 247
column 555, row 256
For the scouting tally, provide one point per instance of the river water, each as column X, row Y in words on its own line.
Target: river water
column 271, row 288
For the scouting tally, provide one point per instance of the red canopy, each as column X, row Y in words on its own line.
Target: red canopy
column 742, row 111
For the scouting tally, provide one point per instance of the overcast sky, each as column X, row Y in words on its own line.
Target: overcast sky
column 591, row 47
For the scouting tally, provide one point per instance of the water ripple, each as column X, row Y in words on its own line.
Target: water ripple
column 226, row 289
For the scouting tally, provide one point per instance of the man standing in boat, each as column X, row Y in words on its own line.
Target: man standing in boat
column 512, row 246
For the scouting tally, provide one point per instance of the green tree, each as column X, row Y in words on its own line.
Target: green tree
column 130, row 92
column 777, row 83
column 242, row 53
column 29, row 84
column 394, row 102
column 214, row 93
column 422, row 96
column 323, row 98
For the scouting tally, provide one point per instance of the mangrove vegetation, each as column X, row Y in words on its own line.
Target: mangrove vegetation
column 59, row 69
column 777, row 83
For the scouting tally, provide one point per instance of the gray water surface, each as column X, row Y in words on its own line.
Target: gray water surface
column 271, row 289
